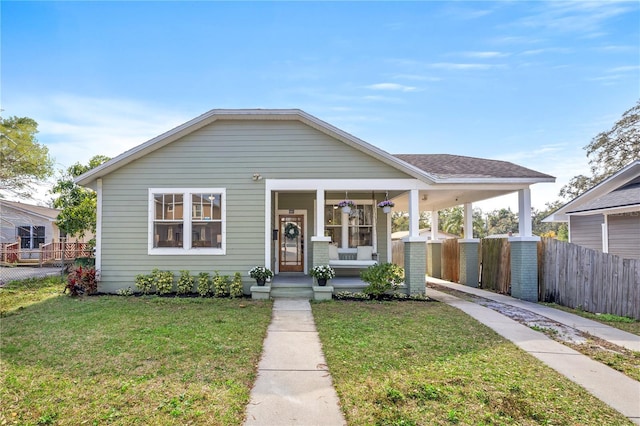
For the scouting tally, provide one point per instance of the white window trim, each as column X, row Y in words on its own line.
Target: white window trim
column 187, row 223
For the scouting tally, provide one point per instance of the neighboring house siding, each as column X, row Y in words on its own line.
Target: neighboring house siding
column 587, row 231
column 624, row 235
column 224, row 154
column 13, row 218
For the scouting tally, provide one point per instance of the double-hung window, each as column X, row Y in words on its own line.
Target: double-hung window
column 187, row 221
column 350, row 230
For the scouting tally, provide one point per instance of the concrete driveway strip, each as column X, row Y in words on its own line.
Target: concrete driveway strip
column 612, row 387
column 621, row 338
column 293, row 386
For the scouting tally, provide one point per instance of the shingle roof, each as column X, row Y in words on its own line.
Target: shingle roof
column 458, row 166
column 38, row 210
column 628, row 195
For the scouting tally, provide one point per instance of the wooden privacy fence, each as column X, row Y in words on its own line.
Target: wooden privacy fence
column 397, row 252
column 495, row 258
column 578, row 277
column 451, row 260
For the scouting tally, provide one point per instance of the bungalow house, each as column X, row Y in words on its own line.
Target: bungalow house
column 234, row 189
column 26, row 230
column 33, row 225
column 607, row 216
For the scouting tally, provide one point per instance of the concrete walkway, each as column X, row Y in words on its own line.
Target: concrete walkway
column 613, row 388
column 293, row 386
column 603, row 331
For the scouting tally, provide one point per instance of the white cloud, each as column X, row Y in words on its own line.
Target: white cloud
column 416, row 77
column 485, row 55
column 463, row 66
column 586, row 17
column 391, row 87
column 75, row 128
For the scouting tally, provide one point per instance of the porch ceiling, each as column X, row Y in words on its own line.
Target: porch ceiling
column 439, row 199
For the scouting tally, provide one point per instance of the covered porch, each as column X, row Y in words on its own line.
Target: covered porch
column 313, row 201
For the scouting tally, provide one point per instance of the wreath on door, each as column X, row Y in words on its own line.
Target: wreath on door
column 291, row 231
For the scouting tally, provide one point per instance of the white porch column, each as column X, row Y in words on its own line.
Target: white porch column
column 524, row 212
column 414, row 214
column 468, row 221
column 434, row 225
column 319, row 213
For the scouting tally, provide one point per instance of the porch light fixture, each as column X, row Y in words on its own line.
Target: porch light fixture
column 256, row 177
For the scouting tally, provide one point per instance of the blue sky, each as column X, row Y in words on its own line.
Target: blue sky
column 527, row 82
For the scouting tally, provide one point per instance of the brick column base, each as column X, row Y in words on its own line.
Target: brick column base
column 434, row 258
column 469, row 261
column 524, row 268
column 415, row 265
column 320, row 252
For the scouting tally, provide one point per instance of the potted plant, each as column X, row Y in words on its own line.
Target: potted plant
column 322, row 273
column 260, row 274
column 386, row 205
column 347, row 205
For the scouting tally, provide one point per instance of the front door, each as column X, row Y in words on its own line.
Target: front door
column 291, row 243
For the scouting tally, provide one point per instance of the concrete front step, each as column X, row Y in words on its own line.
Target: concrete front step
column 292, row 292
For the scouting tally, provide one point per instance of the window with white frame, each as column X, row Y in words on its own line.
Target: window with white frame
column 350, row 230
column 187, row 221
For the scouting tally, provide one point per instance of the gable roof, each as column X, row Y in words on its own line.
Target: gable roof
column 619, row 192
column 446, row 166
column 427, row 168
column 207, row 118
column 43, row 212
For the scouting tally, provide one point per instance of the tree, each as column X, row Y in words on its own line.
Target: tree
column 451, row 219
column 549, row 229
column 77, row 204
column 502, row 221
column 608, row 152
column 23, row 161
column 400, row 221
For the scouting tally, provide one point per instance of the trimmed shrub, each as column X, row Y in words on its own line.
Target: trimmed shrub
column 204, row 284
column 144, row 283
column 221, row 285
column 164, row 281
column 235, row 288
column 185, row 282
column 382, row 278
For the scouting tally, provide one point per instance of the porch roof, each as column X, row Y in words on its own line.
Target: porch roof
column 452, row 167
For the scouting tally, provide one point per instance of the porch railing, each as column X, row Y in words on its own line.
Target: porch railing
column 10, row 252
column 63, row 251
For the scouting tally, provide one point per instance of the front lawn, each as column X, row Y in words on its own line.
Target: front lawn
column 130, row 360
column 417, row 363
column 17, row 294
column 623, row 323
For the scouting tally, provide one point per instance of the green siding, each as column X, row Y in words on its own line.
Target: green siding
column 224, row 154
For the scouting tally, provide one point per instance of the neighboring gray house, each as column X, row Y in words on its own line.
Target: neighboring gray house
column 233, row 189
column 607, row 216
column 34, row 225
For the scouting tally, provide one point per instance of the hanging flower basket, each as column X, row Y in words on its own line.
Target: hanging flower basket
column 347, row 205
column 291, row 231
column 386, row 205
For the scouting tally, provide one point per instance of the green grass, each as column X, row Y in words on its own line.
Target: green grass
column 416, row 363
column 130, row 360
column 18, row 294
column 627, row 324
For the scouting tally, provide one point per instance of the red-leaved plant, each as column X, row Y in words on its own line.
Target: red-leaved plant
column 81, row 280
